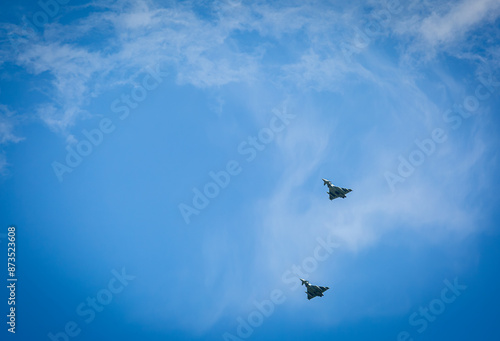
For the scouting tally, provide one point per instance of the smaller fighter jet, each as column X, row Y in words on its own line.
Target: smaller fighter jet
column 335, row 191
column 313, row 290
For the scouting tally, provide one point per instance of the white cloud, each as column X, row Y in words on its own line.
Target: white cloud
column 95, row 53
column 429, row 29
column 132, row 37
column 3, row 164
column 204, row 51
column 7, row 124
column 453, row 25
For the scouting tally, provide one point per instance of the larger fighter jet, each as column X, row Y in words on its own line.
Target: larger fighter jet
column 335, row 191
column 313, row 290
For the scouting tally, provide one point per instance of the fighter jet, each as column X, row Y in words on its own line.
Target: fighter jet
column 335, row 191
column 313, row 290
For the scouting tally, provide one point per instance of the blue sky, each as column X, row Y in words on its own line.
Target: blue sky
column 162, row 163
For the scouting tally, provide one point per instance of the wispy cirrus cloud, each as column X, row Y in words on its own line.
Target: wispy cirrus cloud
column 103, row 49
column 8, row 122
column 82, row 64
column 452, row 25
column 429, row 29
column 7, row 125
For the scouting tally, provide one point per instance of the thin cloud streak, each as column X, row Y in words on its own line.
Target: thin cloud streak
column 439, row 29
